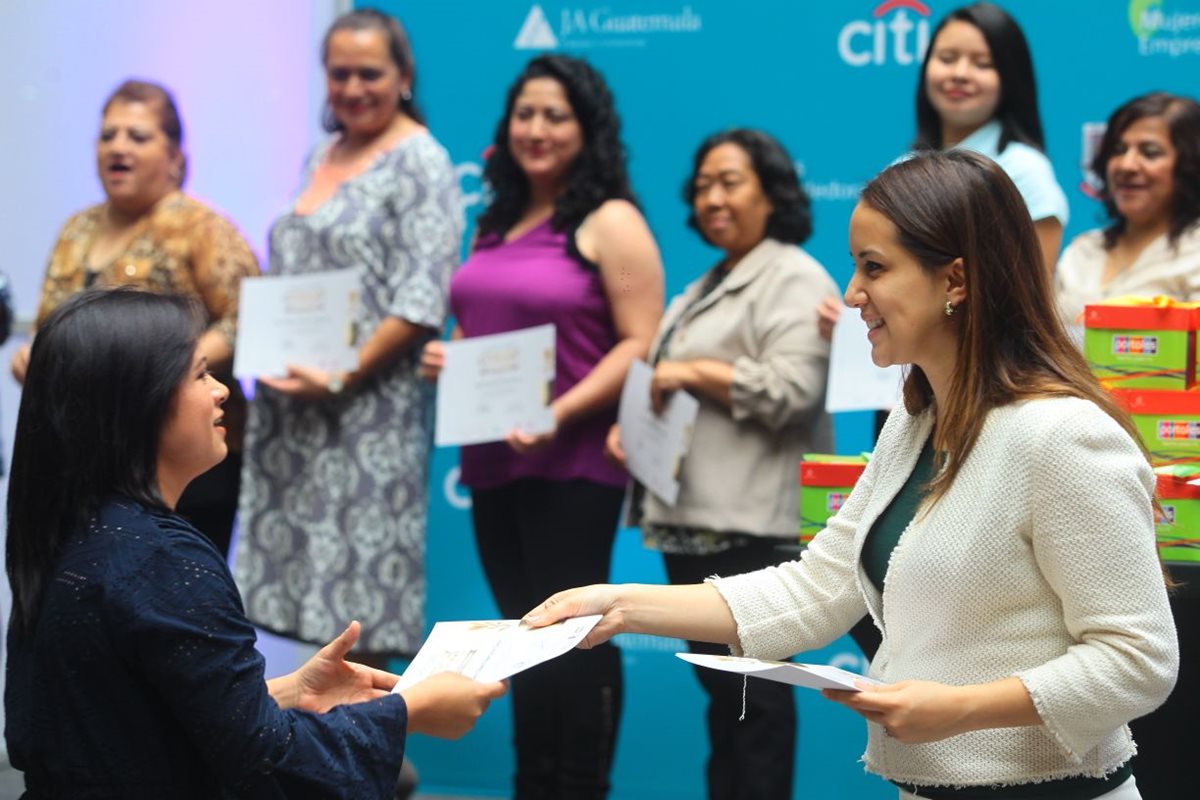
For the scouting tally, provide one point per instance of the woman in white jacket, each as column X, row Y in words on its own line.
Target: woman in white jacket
column 1002, row 539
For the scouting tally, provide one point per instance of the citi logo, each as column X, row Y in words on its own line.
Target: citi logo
column 900, row 39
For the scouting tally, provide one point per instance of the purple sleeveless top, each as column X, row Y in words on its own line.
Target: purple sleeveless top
column 507, row 286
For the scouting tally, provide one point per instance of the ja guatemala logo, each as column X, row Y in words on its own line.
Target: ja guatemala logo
column 536, row 33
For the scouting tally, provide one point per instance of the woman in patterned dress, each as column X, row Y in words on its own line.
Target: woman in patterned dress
column 333, row 502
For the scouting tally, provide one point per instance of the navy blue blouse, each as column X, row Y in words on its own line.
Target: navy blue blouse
column 141, row 680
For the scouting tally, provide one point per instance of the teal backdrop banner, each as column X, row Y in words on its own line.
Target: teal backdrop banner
column 835, row 82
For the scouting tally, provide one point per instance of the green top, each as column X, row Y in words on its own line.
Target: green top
column 876, row 553
column 885, row 533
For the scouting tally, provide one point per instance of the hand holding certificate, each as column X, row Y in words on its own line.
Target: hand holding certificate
column 654, row 444
column 305, row 320
column 490, row 386
column 492, row 650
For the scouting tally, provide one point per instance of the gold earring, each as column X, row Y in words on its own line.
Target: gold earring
column 949, row 309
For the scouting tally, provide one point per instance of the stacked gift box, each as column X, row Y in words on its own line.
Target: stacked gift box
column 1144, row 352
column 825, row 483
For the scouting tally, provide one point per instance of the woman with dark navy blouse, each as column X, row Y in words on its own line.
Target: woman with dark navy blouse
column 132, row 671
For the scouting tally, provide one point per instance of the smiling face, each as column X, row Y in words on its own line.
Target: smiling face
column 1141, row 173
column 731, row 207
column 137, row 163
column 902, row 304
column 544, row 135
column 363, row 83
column 193, row 438
column 961, row 79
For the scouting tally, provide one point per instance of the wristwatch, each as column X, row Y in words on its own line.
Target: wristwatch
column 337, row 382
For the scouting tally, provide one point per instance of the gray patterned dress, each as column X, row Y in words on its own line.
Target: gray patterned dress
column 333, row 503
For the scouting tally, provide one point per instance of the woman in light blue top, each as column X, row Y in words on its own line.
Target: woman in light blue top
column 977, row 92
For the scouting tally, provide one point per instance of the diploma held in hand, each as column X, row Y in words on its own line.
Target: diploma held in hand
column 492, row 650
column 655, row 444
column 492, row 385
column 855, row 383
column 306, row 320
column 811, row 676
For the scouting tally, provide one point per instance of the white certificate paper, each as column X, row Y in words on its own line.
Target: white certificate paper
column 492, row 650
column 811, row 676
column 655, row 444
column 307, row 320
column 855, row 383
column 491, row 385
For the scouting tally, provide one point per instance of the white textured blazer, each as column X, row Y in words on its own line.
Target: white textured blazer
column 1039, row 562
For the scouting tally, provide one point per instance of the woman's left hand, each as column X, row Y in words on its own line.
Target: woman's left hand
column 328, row 679
column 912, row 712
column 307, row 382
column 669, row 376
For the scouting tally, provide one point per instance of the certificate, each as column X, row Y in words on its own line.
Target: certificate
column 655, row 444
column 492, row 385
column 811, row 676
column 307, row 320
column 492, row 650
column 855, row 383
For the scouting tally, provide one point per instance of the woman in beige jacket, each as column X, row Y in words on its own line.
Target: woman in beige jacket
column 743, row 340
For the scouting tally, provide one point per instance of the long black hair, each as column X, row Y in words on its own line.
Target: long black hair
column 1182, row 115
column 1017, row 110
column 791, row 219
column 598, row 173
column 399, row 49
column 102, row 378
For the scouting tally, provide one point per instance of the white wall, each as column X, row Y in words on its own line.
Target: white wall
column 246, row 76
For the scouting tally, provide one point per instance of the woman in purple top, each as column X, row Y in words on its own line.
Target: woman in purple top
column 561, row 242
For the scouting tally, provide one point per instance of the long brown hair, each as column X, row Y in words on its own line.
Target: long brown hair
column 1011, row 343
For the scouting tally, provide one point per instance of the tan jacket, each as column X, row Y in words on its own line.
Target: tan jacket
column 741, row 472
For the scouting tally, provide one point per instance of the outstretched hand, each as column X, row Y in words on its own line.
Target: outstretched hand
column 598, row 598
column 328, row 679
column 447, row 705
